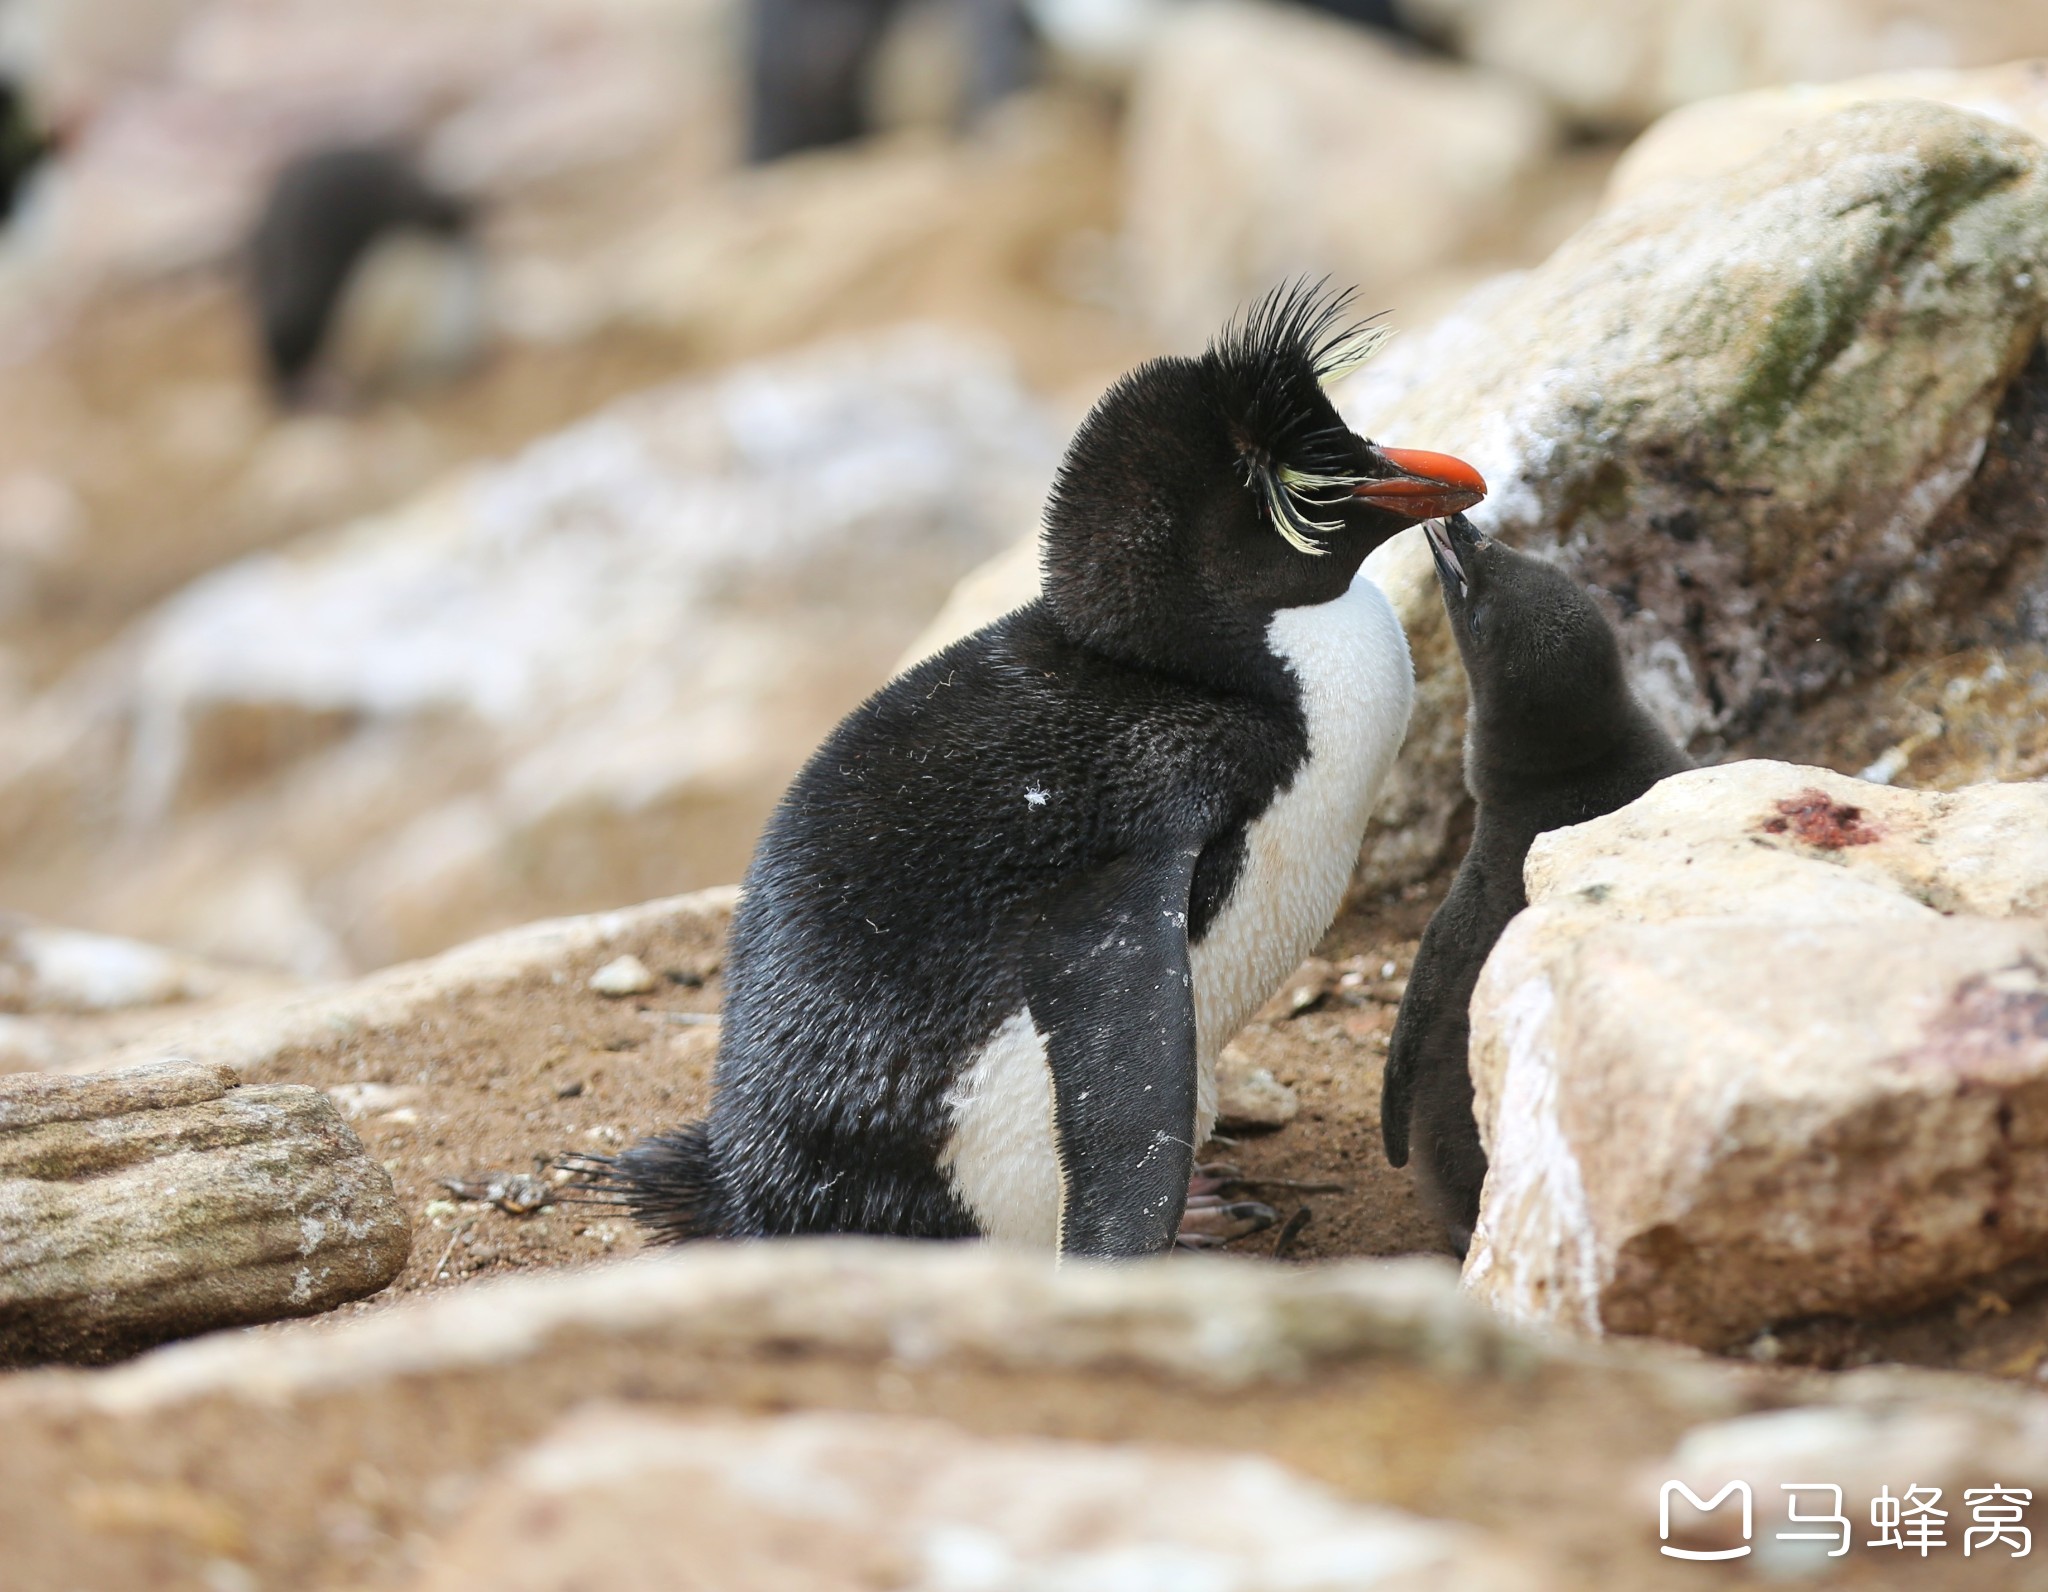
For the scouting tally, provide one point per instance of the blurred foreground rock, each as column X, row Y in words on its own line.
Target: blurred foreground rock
column 639, row 1502
column 1266, row 142
column 347, row 1454
column 1621, row 63
column 165, row 1201
column 1768, row 1043
column 573, row 678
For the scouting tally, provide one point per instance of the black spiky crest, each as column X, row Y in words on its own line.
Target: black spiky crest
column 1274, row 360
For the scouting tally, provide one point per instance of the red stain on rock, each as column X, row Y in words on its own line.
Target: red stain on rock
column 1816, row 818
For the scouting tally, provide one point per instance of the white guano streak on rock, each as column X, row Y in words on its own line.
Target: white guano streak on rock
column 1533, row 1179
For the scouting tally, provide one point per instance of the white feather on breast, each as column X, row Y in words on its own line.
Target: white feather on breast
column 1350, row 658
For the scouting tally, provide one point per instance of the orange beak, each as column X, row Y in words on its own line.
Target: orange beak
column 1429, row 486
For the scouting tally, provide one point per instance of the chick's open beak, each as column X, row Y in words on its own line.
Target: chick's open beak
column 1429, row 486
column 1449, row 566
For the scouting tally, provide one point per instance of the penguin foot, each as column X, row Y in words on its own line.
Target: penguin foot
column 1211, row 1222
column 1213, row 1219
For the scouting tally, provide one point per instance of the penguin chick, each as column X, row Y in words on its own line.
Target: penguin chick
column 365, row 279
column 1555, row 737
column 1003, row 921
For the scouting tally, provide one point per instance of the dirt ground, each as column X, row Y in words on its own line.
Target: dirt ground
column 504, row 1085
column 529, row 1076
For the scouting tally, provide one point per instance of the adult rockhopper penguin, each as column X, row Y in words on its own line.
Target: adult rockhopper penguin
column 1003, row 921
column 1555, row 737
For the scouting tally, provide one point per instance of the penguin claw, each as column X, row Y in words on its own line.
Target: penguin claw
column 1211, row 1221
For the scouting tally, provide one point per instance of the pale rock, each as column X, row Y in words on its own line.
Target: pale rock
column 1773, row 840
column 45, row 969
column 778, row 253
column 1305, row 989
column 623, row 975
column 1267, row 142
column 1768, row 1043
column 576, row 676
column 1956, row 1445
column 358, row 1100
column 28, row 1046
column 379, row 1021
column 183, row 108
column 1621, row 63
column 165, row 1200
column 68, row 997
column 638, row 1501
column 1712, row 136
column 1248, row 1095
column 351, row 1453
column 1735, row 408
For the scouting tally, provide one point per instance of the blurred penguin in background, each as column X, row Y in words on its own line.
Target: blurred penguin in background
column 812, row 65
column 25, row 144
column 366, row 280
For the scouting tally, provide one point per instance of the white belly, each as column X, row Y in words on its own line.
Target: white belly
column 1357, row 687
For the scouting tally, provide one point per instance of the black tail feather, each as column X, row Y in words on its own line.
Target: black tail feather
column 670, row 1184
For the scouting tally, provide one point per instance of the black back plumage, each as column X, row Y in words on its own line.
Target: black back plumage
column 1555, row 737
column 876, row 945
column 325, row 210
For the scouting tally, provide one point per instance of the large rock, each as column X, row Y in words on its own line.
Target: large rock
column 472, row 1066
column 1000, row 230
column 66, row 995
column 347, row 1455
column 636, row 1501
column 181, row 109
column 376, row 1022
column 1267, row 142
column 1715, row 135
column 1738, row 409
column 577, row 677
column 165, row 1201
column 1621, row 63
column 1768, row 1043
column 1750, row 411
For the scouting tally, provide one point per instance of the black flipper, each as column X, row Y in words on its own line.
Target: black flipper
column 1432, row 1021
column 1106, row 972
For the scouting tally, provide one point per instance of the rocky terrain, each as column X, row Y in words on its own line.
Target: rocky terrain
column 373, row 782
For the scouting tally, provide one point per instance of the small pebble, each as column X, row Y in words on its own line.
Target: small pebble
column 623, row 975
